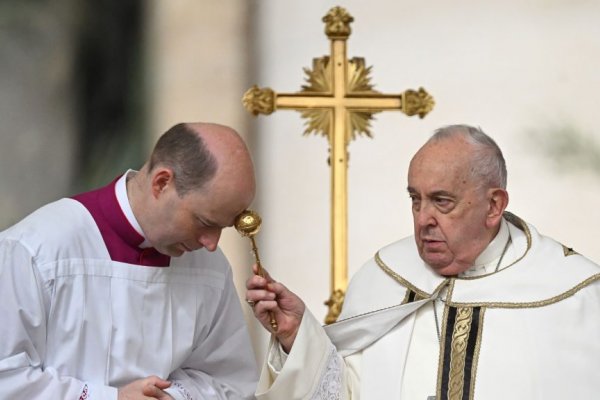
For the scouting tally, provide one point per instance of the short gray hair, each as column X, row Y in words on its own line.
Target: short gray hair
column 487, row 162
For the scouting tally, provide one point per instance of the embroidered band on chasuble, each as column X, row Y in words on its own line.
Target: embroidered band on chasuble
column 459, row 352
column 412, row 296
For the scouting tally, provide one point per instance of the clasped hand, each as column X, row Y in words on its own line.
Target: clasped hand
column 270, row 297
column 145, row 389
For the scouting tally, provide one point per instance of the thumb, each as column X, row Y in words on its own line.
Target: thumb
column 162, row 384
column 159, row 383
column 278, row 288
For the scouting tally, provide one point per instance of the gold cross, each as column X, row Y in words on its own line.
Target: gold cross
column 339, row 102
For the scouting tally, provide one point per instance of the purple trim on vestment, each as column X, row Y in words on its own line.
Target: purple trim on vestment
column 121, row 239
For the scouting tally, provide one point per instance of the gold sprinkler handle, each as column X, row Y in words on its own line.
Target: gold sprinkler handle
column 259, row 267
column 248, row 224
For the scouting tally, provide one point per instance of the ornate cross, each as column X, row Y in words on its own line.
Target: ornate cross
column 339, row 102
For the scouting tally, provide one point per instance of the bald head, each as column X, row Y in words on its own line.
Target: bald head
column 198, row 152
column 198, row 179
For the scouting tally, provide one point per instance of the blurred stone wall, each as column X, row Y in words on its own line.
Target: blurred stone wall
column 37, row 129
column 72, row 99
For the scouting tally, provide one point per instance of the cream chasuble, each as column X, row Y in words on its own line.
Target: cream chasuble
column 527, row 331
column 420, row 374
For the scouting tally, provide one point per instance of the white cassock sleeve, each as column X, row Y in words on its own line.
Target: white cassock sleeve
column 312, row 370
column 23, row 317
column 222, row 366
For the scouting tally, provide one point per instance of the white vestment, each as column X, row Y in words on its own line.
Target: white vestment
column 75, row 324
column 528, row 331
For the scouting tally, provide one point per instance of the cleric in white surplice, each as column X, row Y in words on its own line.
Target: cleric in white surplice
column 476, row 305
column 122, row 292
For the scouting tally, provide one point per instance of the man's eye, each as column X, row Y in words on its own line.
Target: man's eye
column 442, row 202
column 199, row 222
column 415, row 201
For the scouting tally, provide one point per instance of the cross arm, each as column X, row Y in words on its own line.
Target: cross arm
column 264, row 101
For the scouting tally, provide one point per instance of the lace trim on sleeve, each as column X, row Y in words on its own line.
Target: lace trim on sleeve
column 330, row 386
column 84, row 393
column 182, row 390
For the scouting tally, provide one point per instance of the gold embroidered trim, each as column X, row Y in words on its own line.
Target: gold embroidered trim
column 422, row 294
column 531, row 304
column 367, row 313
column 418, row 297
column 406, row 296
column 475, row 360
column 510, row 217
column 458, row 352
column 450, row 289
column 568, row 251
column 519, row 223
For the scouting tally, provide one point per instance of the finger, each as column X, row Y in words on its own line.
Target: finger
column 256, row 282
column 259, row 295
column 287, row 323
column 158, row 382
column 267, row 300
column 278, row 288
column 163, row 384
column 152, row 391
column 263, row 309
column 263, row 273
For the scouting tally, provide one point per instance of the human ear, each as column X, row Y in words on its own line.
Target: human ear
column 498, row 201
column 161, row 178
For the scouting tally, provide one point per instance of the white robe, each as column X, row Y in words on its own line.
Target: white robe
column 75, row 324
column 535, row 335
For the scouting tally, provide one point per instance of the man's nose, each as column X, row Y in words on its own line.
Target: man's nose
column 425, row 216
column 210, row 239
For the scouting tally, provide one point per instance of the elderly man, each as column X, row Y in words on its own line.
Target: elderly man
column 477, row 305
column 121, row 293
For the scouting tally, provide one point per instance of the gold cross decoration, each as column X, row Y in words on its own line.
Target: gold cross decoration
column 338, row 102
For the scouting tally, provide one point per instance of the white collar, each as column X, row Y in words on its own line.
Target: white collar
column 123, row 200
column 486, row 262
